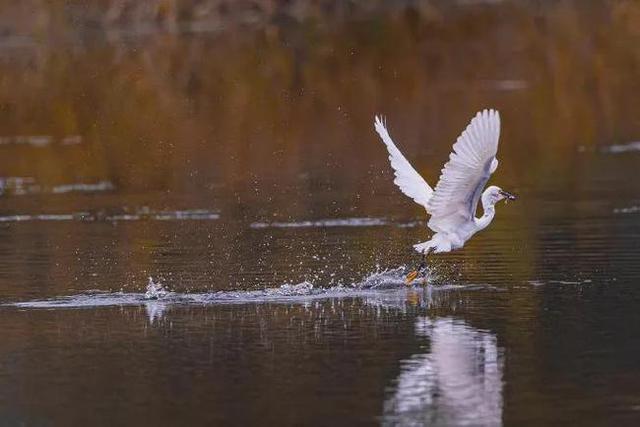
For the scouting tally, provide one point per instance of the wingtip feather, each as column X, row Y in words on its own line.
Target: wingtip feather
column 379, row 124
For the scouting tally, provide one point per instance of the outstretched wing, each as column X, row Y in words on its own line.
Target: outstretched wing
column 409, row 181
column 464, row 176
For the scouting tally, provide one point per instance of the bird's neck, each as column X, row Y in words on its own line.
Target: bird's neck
column 489, row 211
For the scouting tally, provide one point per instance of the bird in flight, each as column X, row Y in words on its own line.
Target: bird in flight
column 453, row 203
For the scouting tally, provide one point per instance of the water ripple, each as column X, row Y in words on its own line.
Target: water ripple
column 138, row 215
column 622, row 148
column 337, row 222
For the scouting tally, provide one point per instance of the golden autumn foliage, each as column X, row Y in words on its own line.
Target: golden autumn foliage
column 175, row 95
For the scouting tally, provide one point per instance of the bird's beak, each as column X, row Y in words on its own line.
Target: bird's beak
column 508, row 196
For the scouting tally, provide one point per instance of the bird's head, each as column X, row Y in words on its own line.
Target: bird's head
column 494, row 194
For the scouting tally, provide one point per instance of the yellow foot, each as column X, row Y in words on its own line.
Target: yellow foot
column 411, row 277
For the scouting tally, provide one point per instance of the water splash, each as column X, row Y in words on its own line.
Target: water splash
column 373, row 284
column 155, row 290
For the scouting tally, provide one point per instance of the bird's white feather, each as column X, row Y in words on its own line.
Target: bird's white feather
column 407, row 179
column 455, row 198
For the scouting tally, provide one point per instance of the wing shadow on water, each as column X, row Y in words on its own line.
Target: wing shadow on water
column 459, row 381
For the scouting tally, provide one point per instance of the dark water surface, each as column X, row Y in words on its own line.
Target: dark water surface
column 242, row 174
column 536, row 321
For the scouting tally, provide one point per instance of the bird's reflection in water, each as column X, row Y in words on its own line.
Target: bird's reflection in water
column 155, row 310
column 457, row 382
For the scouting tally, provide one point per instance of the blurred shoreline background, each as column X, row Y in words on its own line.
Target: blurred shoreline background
column 185, row 96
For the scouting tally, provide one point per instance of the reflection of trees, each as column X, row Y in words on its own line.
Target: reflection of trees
column 457, row 382
column 290, row 97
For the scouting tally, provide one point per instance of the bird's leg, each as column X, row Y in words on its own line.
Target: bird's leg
column 422, row 268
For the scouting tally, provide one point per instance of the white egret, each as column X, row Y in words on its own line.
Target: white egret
column 453, row 203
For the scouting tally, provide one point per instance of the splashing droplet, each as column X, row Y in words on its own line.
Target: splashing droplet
column 155, row 290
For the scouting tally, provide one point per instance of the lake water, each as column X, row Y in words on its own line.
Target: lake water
column 191, row 241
